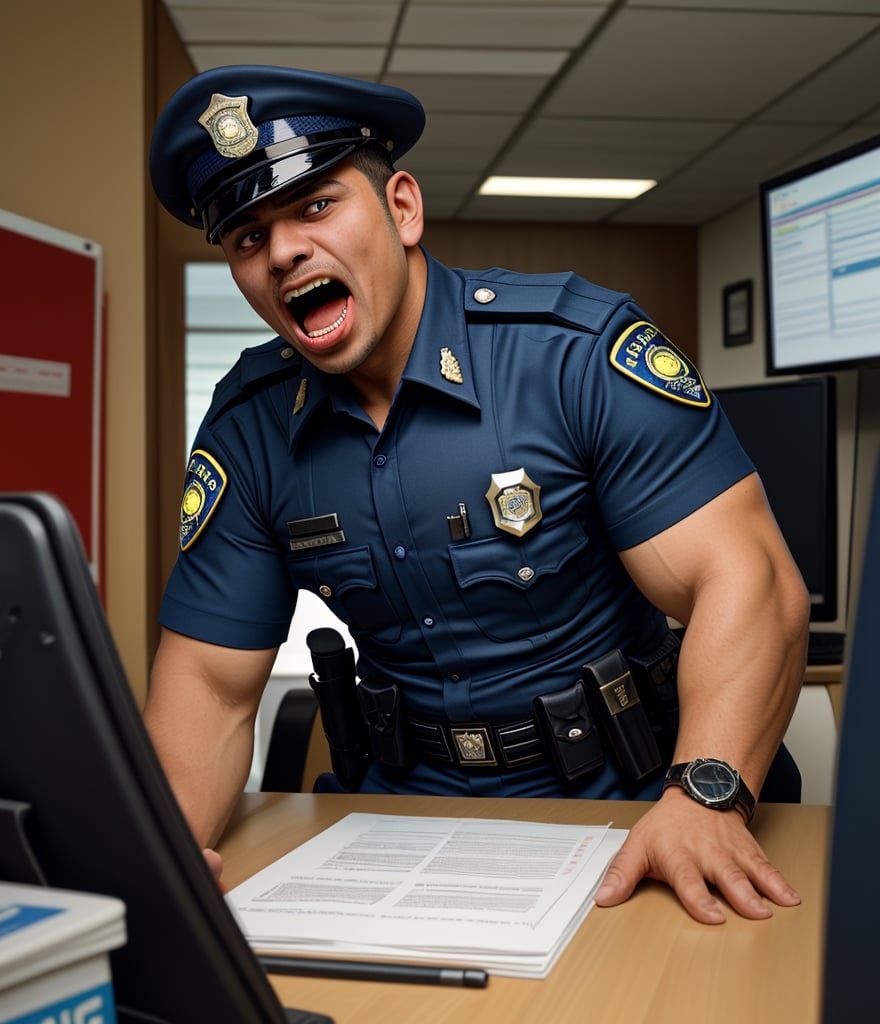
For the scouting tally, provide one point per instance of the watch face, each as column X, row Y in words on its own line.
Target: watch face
column 713, row 781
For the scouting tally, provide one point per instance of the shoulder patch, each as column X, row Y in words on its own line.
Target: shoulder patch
column 202, row 489
column 644, row 354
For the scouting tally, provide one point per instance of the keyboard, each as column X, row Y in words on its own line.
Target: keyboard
column 825, row 648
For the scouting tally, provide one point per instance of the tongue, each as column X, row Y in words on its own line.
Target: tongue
column 323, row 316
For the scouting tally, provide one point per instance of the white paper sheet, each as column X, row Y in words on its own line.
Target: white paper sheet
column 502, row 895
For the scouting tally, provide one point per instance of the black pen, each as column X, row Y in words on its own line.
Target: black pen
column 368, row 970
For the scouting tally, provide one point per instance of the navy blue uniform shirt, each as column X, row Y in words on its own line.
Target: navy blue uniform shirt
column 547, row 378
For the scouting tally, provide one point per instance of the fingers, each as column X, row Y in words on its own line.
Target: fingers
column 698, row 853
column 215, row 863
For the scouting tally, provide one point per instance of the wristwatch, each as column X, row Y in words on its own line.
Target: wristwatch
column 712, row 783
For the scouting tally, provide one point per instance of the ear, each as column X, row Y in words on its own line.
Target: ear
column 405, row 205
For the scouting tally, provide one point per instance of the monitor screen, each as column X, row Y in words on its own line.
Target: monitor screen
column 789, row 430
column 77, row 766
column 820, row 227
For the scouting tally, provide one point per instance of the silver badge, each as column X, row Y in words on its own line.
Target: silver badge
column 515, row 500
column 226, row 121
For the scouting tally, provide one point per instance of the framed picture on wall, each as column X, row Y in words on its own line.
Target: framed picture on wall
column 736, row 303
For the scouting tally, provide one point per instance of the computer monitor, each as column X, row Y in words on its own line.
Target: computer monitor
column 789, row 430
column 78, row 771
column 820, row 232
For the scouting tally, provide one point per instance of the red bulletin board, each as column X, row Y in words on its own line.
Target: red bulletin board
column 51, row 372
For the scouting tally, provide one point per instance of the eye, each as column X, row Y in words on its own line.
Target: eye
column 315, row 207
column 248, row 239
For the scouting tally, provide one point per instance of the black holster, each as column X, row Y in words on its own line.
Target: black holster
column 334, row 683
column 382, row 708
column 621, row 716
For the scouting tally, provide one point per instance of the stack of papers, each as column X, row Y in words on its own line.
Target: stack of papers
column 503, row 896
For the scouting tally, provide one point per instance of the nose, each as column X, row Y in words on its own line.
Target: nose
column 288, row 244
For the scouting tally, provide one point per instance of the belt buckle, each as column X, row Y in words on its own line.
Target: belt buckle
column 473, row 744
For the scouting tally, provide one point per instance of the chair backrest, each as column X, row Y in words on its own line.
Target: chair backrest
column 853, row 892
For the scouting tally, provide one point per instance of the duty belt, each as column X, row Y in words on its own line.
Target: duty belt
column 477, row 744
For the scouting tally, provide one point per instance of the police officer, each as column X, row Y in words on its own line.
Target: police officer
column 502, row 483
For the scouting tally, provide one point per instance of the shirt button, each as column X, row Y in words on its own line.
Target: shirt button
column 455, row 677
column 400, row 551
column 325, row 591
column 380, row 460
column 526, row 573
column 428, row 621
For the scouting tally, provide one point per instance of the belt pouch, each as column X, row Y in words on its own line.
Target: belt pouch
column 615, row 703
column 382, row 709
column 656, row 678
column 570, row 737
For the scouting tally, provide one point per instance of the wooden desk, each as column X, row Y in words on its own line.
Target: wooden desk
column 643, row 961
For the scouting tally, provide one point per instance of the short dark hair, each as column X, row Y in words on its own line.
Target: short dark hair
column 374, row 162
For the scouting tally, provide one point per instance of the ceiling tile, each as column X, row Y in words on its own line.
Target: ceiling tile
column 493, row 25
column 460, row 142
column 356, row 61
column 326, row 22
column 710, row 65
column 410, row 60
column 500, row 94
column 592, row 147
column 838, row 93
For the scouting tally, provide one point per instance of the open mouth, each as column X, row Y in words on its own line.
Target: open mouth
column 318, row 307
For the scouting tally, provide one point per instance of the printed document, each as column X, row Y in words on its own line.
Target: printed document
column 504, row 896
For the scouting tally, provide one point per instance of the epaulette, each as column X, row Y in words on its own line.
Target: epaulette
column 565, row 298
column 256, row 369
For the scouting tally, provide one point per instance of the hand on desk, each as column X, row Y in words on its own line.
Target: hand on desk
column 215, row 863
column 689, row 847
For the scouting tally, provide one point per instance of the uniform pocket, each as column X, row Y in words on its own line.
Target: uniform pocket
column 345, row 579
column 516, row 588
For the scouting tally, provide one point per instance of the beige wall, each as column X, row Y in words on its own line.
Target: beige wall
column 72, row 82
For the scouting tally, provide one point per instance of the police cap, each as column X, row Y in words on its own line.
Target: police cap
column 233, row 135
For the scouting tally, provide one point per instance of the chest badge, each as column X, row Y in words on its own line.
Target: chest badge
column 515, row 500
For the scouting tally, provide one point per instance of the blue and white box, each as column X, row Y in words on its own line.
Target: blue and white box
column 54, row 963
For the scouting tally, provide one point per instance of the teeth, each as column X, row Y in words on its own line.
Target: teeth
column 332, row 327
column 295, row 293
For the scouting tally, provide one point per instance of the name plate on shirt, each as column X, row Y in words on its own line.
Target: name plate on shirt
column 315, row 532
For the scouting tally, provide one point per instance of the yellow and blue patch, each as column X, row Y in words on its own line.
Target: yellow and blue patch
column 203, row 487
column 645, row 355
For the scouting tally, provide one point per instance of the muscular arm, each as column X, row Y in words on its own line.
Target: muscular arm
column 725, row 573
column 200, row 712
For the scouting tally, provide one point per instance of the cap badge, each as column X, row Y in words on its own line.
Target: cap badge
column 515, row 500
column 450, row 368
column 226, row 121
